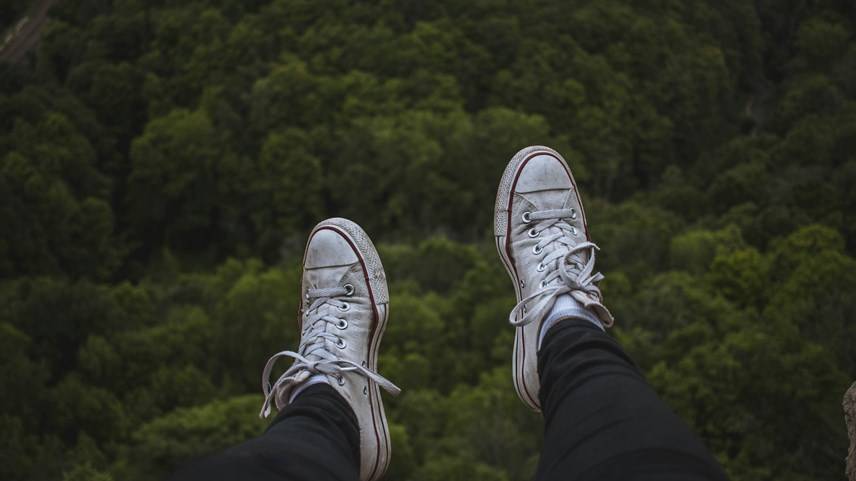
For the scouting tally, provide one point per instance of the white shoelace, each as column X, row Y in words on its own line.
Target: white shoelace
column 314, row 357
column 566, row 270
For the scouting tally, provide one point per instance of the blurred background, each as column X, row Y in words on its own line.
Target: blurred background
column 162, row 162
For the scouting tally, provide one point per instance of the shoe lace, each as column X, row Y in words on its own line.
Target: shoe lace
column 314, row 355
column 568, row 268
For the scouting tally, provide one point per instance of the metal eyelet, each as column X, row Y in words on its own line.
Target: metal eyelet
column 527, row 217
column 537, row 250
column 342, row 324
column 573, row 230
column 542, row 284
column 533, row 232
column 365, row 390
column 307, row 296
column 340, row 380
column 341, row 344
column 345, row 307
column 573, row 213
column 522, row 283
column 349, row 290
column 541, row 267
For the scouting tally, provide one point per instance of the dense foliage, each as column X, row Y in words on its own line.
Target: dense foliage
column 161, row 163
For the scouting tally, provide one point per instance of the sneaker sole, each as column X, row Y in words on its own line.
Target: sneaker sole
column 379, row 295
column 502, row 229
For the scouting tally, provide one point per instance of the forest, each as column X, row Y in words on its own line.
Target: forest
column 161, row 164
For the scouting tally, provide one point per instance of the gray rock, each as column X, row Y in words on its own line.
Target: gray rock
column 850, row 417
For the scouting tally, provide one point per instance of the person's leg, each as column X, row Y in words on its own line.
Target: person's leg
column 314, row 438
column 603, row 421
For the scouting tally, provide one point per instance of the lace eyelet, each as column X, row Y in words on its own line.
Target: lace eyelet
column 573, row 213
column 541, row 267
column 349, row 290
column 526, row 217
column 345, row 307
column 573, row 230
column 341, row 344
column 340, row 380
column 522, row 283
column 342, row 324
column 533, row 232
column 542, row 284
column 537, row 250
column 307, row 296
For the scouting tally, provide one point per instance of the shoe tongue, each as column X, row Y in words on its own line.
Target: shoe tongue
column 556, row 199
column 581, row 257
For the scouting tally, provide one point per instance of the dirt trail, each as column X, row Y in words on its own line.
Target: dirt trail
column 26, row 33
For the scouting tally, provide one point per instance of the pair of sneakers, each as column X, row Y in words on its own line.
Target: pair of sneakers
column 543, row 241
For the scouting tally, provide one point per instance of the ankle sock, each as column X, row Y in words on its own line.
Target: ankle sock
column 566, row 307
column 314, row 379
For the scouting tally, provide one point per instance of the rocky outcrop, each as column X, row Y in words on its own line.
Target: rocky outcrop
column 850, row 418
column 25, row 34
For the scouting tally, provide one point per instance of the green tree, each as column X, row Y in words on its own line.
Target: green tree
column 172, row 185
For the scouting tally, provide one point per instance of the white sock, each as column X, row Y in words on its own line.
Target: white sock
column 314, row 379
column 566, row 307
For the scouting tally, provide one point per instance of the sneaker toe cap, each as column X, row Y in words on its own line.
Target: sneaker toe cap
column 543, row 172
column 329, row 248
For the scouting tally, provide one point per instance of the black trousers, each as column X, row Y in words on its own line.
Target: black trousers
column 602, row 422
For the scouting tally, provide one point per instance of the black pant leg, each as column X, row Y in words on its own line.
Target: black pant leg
column 603, row 421
column 315, row 438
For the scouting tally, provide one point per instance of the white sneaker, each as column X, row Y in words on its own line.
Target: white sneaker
column 343, row 315
column 542, row 238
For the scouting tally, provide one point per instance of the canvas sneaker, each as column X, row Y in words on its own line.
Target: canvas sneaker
column 344, row 311
column 543, row 241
